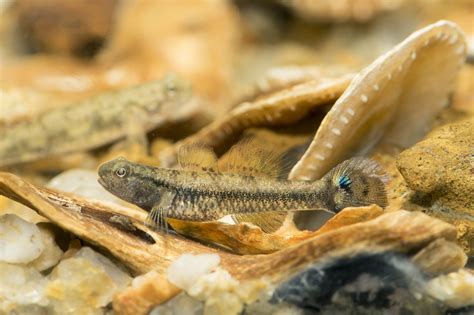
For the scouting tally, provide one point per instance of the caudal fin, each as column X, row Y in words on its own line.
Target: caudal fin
column 358, row 182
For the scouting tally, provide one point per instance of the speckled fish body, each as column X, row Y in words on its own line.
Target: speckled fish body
column 94, row 122
column 205, row 196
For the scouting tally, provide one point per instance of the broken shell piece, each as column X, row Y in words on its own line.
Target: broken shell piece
column 279, row 108
column 118, row 276
column 279, row 78
column 385, row 104
column 245, row 238
column 16, row 234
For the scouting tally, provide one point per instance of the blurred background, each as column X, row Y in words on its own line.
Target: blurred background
column 54, row 52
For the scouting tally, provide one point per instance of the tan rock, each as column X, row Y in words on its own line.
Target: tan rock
column 443, row 166
column 146, row 291
column 440, row 256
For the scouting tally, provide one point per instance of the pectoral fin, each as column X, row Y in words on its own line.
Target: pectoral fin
column 159, row 213
column 269, row 222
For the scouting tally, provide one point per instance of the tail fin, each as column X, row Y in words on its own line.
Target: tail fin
column 358, row 182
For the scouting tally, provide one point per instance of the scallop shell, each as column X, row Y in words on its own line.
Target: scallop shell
column 393, row 100
column 280, row 108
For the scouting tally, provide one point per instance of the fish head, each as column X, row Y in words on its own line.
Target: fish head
column 129, row 181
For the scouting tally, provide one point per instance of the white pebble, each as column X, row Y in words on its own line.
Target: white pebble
column 21, row 286
column 188, row 268
column 120, row 278
column 364, row 98
column 20, row 241
column 51, row 253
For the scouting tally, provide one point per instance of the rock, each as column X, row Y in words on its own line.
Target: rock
column 187, row 269
column 202, row 279
column 442, row 166
column 51, row 253
column 182, row 304
column 146, row 291
column 441, row 169
column 77, row 286
column 364, row 284
column 66, row 27
column 21, row 288
column 21, row 242
column 119, row 277
column 455, row 289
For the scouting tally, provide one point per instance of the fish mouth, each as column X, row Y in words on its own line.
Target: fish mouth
column 102, row 182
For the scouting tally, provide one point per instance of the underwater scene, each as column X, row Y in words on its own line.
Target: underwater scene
column 236, row 157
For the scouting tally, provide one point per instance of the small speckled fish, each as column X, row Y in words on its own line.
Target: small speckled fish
column 210, row 193
column 96, row 121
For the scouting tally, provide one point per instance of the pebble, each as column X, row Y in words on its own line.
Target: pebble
column 21, row 242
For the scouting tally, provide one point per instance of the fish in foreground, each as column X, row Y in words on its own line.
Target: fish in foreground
column 96, row 121
column 208, row 189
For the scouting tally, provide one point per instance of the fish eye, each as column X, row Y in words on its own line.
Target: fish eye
column 344, row 182
column 121, row 172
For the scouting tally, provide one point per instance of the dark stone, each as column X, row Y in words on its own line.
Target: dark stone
column 364, row 284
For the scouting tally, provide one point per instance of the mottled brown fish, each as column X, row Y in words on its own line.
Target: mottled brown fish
column 209, row 194
column 96, row 121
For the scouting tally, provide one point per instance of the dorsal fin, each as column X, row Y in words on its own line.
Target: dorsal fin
column 269, row 222
column 197, row 157
column 247, row 158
